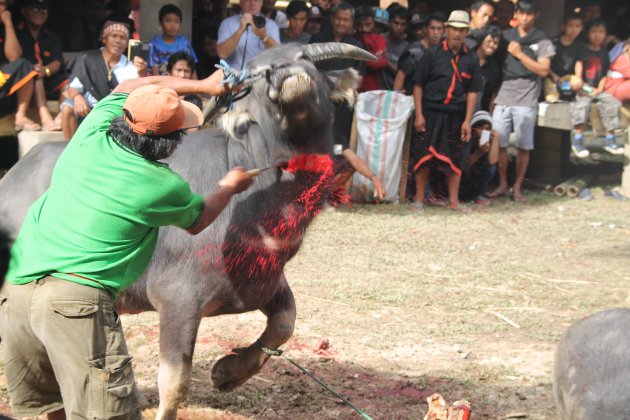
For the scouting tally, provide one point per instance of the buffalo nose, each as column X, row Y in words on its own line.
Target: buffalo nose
column 295, row 88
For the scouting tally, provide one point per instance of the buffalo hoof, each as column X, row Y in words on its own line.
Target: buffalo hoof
column 235, row 369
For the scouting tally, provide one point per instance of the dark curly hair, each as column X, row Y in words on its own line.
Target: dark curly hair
column 151, row 148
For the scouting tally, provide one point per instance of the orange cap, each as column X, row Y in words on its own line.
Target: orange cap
column 157, row 110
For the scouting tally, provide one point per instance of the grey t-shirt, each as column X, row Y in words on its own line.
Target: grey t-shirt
column 525, row 91
column 302, row 39
column 394, row 50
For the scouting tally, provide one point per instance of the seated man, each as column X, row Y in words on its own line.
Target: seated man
column 16, row 75
column 96, row 73
column 44, row 50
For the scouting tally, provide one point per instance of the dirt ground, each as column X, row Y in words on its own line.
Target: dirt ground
column 467, row 305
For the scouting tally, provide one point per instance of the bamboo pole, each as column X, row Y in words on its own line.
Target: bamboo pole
column 561, row 189
column 578, row 185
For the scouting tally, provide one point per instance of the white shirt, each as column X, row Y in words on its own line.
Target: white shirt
column 254, row 44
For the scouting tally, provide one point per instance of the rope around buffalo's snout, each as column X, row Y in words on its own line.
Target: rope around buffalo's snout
column 279, row 352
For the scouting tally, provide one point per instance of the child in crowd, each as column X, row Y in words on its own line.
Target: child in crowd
column 618, row 78
column 568, row 47
column 374, row 43
column 591, row 67
column 169, row 42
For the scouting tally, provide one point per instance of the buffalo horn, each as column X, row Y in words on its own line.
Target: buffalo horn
column 329, row 50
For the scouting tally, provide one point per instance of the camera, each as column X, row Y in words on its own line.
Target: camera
column 259, row 21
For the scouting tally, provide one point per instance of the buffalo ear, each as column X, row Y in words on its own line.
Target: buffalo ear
column 345, row 84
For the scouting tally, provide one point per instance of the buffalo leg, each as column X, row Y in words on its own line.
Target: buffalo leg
column 178, row 332
column 233, row 370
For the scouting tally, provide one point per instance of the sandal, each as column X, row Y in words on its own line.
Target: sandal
column 27, row 125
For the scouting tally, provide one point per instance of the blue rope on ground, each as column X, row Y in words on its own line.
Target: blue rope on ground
column 279, row 352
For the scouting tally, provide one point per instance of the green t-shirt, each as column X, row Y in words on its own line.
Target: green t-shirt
column 100, row 217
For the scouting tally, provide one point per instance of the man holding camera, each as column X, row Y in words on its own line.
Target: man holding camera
column 242, row 37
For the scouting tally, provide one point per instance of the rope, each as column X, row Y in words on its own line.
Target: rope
column 232, row 78
column 278, row 352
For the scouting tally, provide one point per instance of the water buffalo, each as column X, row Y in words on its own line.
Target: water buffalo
column 236, row 264
column 592, row 368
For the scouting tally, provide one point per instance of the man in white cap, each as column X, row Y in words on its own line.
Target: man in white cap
column 89, row 237
column 445, row 95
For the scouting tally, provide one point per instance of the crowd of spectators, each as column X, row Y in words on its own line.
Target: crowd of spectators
column 486, row 65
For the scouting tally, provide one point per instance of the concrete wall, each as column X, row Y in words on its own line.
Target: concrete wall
column 149, row 24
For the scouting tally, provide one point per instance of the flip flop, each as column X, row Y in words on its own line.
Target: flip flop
column 519, row 199
column 417, row 206
column 28, row 126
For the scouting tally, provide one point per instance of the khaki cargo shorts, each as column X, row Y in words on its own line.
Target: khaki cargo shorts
column 63, row 347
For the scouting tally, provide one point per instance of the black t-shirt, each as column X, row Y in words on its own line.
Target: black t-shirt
column 409, row 61
column 596, row 64
column 490, row 80
column 339, row 63
column 446, row 78
column 563, row 62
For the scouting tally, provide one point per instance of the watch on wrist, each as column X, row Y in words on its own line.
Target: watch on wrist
column 47, row 71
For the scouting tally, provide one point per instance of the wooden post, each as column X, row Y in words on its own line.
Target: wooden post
column 402, row 193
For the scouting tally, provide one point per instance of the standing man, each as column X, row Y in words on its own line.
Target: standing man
column 445, row 94
column 242, row 37
column 487, row 43
column 44, row 50
column 527, row 63
column 297, row 13
column 410, row 58
column 397, row 42
column 88, row 238
column 481, row 12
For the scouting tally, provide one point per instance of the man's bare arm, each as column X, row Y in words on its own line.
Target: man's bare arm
column 12, row 48
column 210, row 85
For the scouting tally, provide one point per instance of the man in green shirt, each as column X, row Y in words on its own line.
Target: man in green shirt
column 89, row 237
